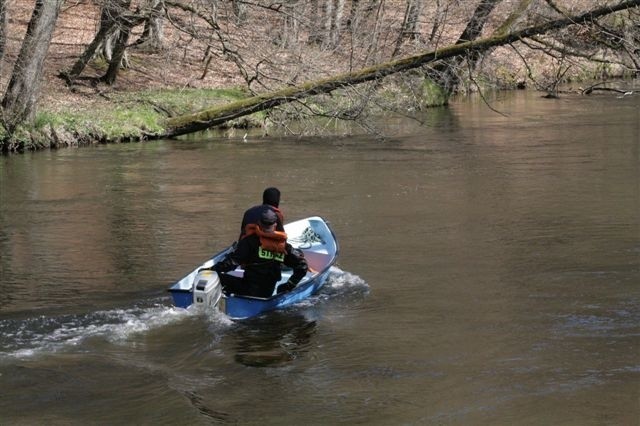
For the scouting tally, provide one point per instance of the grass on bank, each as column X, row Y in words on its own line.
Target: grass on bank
column 118, row 117
column 128, row 116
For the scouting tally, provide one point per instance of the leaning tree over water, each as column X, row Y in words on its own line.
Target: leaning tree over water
column 330, row 44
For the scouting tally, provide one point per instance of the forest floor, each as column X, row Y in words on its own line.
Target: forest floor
column 146, row 71
column 99, row 112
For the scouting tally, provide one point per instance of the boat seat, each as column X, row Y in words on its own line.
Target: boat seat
column 317, row 261
column 239, row 272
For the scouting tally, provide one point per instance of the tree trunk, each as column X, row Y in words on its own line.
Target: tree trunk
column 505, row 27
column 409, row 27
column 290, row 24
column 327, row 19
column 20, row 98
column 118, row 54
column 326, row 22
column 374, row 37
column 411, row 17
column 218, row 115
column 152, row 34
column 105, row 30
column 239, row 11
column 335, row 19
column 111, row 17
column 480, row 15
column 353, row 12
column 114, row 13
column 115, row 47
column 446, row 74
column 3, row 30
column 315, row 33
column 438, row 21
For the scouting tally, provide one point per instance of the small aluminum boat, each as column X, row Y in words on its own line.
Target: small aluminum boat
column 202, row 288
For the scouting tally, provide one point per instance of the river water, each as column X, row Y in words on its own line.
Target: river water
column 489, row 273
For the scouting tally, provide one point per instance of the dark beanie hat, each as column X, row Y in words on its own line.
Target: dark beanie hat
column 271, row 196
column 268, row 217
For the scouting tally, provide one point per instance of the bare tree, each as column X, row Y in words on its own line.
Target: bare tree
column 439, row 19
column 217, row 41
column 376, row 10
column 335, row 23
column 326, row 22
column 409, row 27
column 19, row 102
column 106, row 28
column 116, row 22
column 3, row 29
column 239, row 10
column 114, row 47
column 153, row 33
column 217, row 115
column 411, row 17
column 315, row 34
column 353, row 13
column 608, row 42
column 342, row 40
column 446, row 74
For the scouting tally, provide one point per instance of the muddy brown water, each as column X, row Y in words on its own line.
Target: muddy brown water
column 489, row 273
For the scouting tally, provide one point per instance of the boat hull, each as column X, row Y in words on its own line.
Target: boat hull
column 245, row 306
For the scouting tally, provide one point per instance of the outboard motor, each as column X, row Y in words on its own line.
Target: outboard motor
column 207, row 289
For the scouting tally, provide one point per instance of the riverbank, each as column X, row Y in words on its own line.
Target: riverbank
column 115, row 117
column 184, row 76
column 99, row 114
column 120, row 117
column 112, row 116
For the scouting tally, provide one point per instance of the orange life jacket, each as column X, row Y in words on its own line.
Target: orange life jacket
column 273, row 241
column 279, row 213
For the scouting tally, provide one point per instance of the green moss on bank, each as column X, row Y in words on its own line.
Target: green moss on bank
column 134, row 116
column 117, row 118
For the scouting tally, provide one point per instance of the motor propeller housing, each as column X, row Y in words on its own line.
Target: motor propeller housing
column 207, row 289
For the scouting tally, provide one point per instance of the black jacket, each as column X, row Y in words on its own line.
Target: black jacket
column 262, row 268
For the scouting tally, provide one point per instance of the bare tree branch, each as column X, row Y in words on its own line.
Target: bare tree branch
column 215, row 116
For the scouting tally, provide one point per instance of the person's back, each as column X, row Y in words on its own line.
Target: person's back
column 270, row 201
column 262, row 252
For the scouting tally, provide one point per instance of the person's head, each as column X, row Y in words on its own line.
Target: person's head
column 271, row 196
column 268, row 220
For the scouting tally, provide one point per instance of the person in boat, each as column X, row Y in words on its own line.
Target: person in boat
column 262, row 252
column 270, row 201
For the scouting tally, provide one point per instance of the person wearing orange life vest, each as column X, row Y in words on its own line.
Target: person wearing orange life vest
column 262, row 252
column 270, row 201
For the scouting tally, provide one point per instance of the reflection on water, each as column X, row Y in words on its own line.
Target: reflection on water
column 281, row 339
column 488, row 274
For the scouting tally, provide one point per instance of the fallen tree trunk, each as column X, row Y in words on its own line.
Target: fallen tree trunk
column 205, row 119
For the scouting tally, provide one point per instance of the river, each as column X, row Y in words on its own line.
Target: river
column 489, row 273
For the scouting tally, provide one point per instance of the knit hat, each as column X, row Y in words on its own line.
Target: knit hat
column 271, row 196
column 268, row 218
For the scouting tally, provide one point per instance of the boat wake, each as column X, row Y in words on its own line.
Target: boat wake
column 26, row 338
column 342, row 282
column 30, row 337
column 340, row 285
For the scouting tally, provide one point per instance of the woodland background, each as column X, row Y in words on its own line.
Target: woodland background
column 102, row 49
